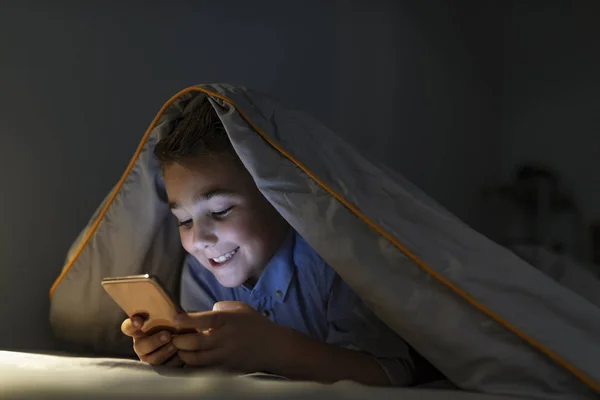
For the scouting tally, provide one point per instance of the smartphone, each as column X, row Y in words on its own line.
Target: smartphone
column 143, row 295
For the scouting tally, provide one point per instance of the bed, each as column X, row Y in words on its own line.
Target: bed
column 46, row 376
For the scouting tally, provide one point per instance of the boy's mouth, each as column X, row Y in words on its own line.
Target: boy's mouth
column 223, row 259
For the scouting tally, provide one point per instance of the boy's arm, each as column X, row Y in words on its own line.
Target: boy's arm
column 298, row 356
column 353, row 326
column 237, row 338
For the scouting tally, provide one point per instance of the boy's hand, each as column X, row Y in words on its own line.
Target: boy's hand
column 235, row 338
column 156, row 349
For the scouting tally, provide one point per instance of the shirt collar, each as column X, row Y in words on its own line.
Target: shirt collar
column 276, row 277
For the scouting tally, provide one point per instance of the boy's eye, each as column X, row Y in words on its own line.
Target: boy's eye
column 185, row 224
column 221, row 214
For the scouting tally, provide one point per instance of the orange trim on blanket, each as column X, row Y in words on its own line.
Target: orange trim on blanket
column 352, row 208
column 94, row 226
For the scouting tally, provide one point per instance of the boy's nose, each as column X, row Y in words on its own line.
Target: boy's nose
column 204, row 238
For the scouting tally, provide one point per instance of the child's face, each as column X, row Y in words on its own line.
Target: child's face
column 225, row 222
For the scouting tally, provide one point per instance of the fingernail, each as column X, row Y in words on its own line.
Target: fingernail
column 136, row 323
column 164, row 337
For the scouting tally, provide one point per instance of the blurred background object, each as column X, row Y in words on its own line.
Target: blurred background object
column 535, row 209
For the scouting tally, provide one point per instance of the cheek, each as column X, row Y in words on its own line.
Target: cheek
column 186, row 238
column 239, row 230
column 255, row 234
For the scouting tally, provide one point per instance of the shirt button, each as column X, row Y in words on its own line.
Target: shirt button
column 266, row 313
column 278, row 293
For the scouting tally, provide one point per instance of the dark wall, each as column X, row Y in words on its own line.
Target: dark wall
column 80, row 81
column 551, row 107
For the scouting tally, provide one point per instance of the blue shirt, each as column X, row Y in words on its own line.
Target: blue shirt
column 299, row 290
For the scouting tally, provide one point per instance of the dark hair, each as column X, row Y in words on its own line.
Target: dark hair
column 199, row 133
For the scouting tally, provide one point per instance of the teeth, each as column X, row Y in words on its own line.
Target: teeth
column 225, row 256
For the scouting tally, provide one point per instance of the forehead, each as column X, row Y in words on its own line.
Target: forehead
column 220, row 172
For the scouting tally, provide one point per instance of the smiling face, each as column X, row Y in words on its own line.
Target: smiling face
column 224, row 220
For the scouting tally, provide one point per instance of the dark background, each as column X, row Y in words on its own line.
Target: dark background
column 452, row 94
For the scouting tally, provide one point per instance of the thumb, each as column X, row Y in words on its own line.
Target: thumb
column 230, row 305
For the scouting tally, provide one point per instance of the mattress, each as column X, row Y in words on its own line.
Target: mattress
column 43, row 376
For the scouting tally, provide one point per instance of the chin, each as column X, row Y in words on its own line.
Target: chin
column 231, row 282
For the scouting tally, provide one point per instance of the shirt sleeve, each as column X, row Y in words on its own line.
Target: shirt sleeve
column 195, row 295
column 353, row 326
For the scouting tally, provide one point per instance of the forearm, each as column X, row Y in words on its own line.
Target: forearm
column 297, row 356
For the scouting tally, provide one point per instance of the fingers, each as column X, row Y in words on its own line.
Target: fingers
column 195, row 341
column 160, row 356
column 131, row 326
column 174, row 362
column 199, row 321
column 229, row 305
column 137, row 321
column 210, row 358
column 145, row 345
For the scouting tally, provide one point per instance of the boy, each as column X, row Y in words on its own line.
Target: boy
column 278, row 307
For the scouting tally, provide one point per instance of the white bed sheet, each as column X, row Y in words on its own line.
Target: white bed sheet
column 39, row 376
